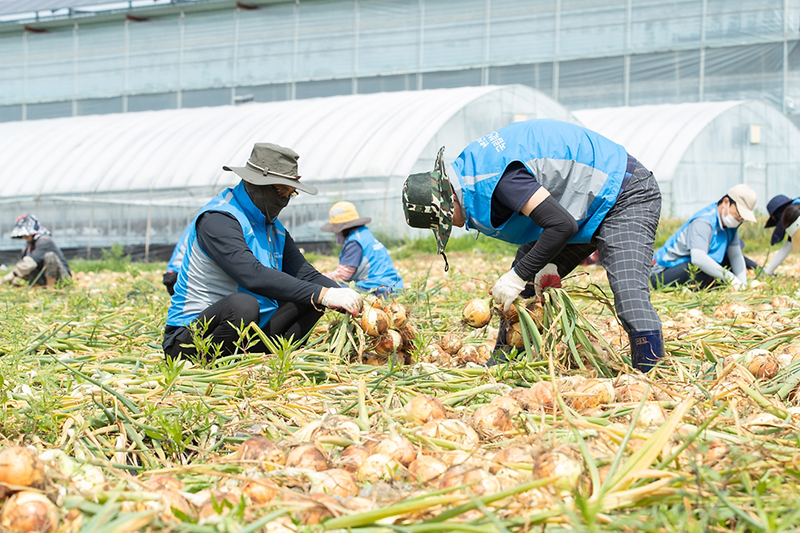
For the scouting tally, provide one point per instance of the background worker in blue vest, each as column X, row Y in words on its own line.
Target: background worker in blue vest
column 363, row 258
column 783, row 216
column 171, row 275
column 559, row 191
column 242, row 266
column 709, row 240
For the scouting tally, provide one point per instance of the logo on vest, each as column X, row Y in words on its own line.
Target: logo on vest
column 494, row 139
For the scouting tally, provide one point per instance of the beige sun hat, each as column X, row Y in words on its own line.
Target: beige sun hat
column 343, row 215
column 745, row 198
column 270, row 164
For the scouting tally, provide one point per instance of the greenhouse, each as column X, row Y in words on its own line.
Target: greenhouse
column 137, row 179
column 697, row 151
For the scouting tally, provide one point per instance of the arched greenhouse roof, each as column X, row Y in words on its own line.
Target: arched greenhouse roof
column 137, row 178
column 698, row 150
column 372, row 135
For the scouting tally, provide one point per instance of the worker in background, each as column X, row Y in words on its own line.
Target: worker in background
column 363, row 259
column 783, row 216
column 241, row 266
column 561, row 192
column 709, row 241
column 171, row 275
column 43, row 262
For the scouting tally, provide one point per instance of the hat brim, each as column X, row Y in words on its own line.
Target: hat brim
column 746, row 214
column 341, row 226
column 258, row 178
column 772, row 221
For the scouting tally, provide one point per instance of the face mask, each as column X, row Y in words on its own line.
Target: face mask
column 730, row 221
column 266, row 199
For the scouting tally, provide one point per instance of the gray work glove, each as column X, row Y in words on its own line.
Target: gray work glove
column 346, row 299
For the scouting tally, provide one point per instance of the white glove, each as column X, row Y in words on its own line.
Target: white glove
column 507, row 288
column 737, row 284
column 346, row 299
column 8, row 278
column 546, row 277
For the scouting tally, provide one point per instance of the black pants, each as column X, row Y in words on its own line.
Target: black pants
column 237, row 311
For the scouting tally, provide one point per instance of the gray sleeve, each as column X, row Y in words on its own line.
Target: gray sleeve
column 703, row 261
column 698, row 235
column 736, row 258
column 778, row 258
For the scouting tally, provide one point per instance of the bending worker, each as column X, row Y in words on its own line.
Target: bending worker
column 241, row 266
column 709, row 240
column 43, row 262
column 363, row 259
column 171, row 275
column 783, row 216
column 561, row 192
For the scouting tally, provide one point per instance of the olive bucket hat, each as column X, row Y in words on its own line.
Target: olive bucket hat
column 270, row 164
column 428, row 203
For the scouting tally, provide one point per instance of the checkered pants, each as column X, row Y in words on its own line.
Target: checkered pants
column 624, row 242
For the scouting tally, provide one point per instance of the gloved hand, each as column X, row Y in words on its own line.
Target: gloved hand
column 8, row 278
column 737, row 284
column 507, row 288
column 343, row 298
column 546, row 277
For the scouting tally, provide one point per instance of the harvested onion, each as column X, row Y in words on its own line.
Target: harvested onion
column 261, row 451
column 374, row 322
column 450, row 343
column 424, row 408
column 306, row 456
column 426, row 467
column 335, row 482
column 491, row 420
column 477, row 313
column 29, row 511
column 397, row 315
column 389, row 343
column 377, row 467
column 397, row 447
column 559, row 465
column 21, row 466
column 260, row 491
column 592, row 393
column 764, row 365
column 353, row 457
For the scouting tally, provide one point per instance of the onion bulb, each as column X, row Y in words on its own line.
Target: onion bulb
column 477, row 313
column 424, row 408
column 491, row 420
column 353, row 456
column 651, row 415
column 29, row 511
column 374, row 322
column 635, row 391
column 165, row 482
column 511, row 316
column 451, row 430
column 468, row 354
column 409, row 334
column 306, row 456
column 539, row 395
column 397, row 447
column 478, row 479
column 21, row 466
column 764, row 366
column 536, row 310
column 559, row 465
column 450, row 343
column 592, row 393
column 389, row 343
column 377, row 467
column 216, row 506
column 508, row 403
column 511, row 455
column 260, row 491
column 514, row 336
column 426, row 467
column 172, row 500
column 397, row 315
column 335, row 482
column 318, row 512
column 435, row 354
column 261, row 451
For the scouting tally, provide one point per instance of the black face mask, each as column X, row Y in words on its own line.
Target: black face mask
column 266, row 199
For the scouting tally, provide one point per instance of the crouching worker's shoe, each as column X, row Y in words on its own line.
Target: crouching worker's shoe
column 647, row 348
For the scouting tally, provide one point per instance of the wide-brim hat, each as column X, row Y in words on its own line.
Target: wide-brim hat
column 27, row 225
column 745, row 198
column 342, row 216
column 428, row 202
column 270, row 164
column 775, row 208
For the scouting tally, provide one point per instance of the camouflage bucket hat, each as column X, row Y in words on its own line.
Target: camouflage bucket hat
column 428, row 203
column 27, row 225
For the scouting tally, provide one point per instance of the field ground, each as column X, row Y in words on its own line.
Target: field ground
column 564, row 437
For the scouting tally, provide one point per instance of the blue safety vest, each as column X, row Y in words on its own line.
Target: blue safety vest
column 201, row 282
column 581, row 169
column 718, row 247
column 180, row 249
column 376, row 269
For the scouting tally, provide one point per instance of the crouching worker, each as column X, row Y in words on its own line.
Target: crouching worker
column 709, row 241
column 784, row 216
column 241, row 266
column 43, row 262
column 363, row 259
column 561, row 192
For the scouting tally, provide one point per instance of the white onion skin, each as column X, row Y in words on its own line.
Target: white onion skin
column 397, row 315
column 306, row 456
column 424, row 408
column 374, row 322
